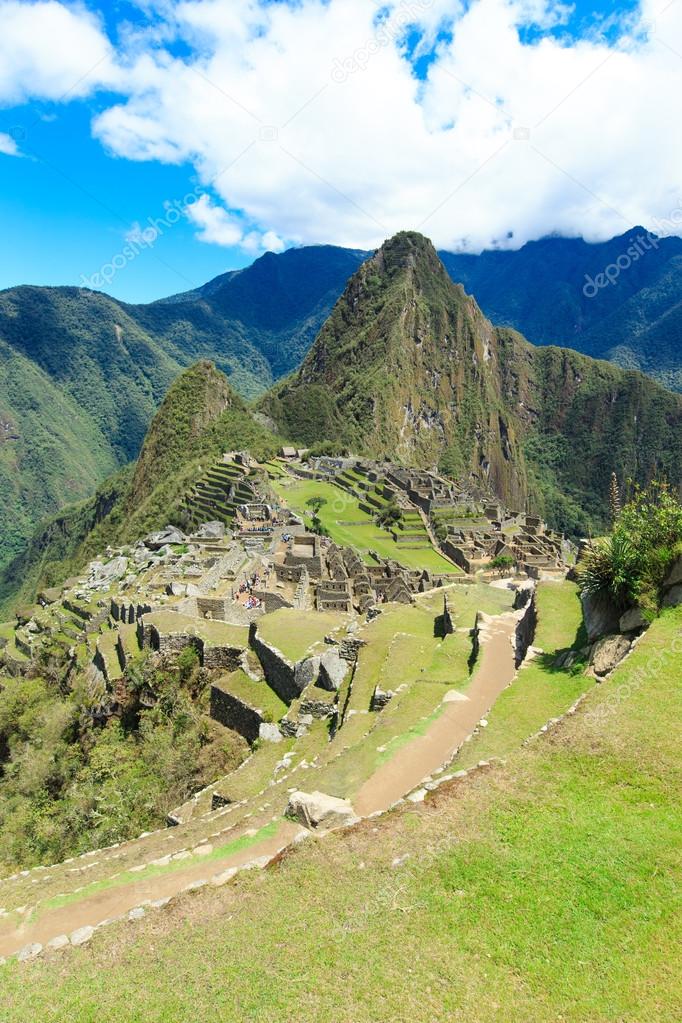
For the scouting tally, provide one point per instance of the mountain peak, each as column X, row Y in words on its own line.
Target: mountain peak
column 405, row 250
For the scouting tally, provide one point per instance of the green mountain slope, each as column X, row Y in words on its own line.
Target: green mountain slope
column 200, row 417
column 81, row 374
column 636, row 321
column 51, row 450
column 408, row 367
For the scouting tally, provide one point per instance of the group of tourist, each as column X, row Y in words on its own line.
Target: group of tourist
column 245, row 594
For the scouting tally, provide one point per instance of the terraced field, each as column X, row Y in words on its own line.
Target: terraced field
column 401, row 650
column 350, row 526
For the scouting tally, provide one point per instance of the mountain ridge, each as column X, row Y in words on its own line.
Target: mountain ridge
column 89, row 371
column 407, row 365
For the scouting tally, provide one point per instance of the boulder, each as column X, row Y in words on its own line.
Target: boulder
column 109, row 572
column 608, row 653
column 675, row 577
column 601, row 615
column 28, row 952
column 673, row 597
column 314, row 809
column 633, row 620
column 82, row 935
column 171, row 534
column 333, row 670
column 566, row 659
column 267, row 732
column 211, row 531
column 306, row 672
column 380, row 698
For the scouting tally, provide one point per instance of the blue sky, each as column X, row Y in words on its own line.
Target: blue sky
column 90, row 167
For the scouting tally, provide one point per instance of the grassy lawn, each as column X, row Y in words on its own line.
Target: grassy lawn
column 258, row 695
column 7, row 630
column 350, row 526
column 294, row 632
column 402, row 650
column 544, row 892
column 213, row 632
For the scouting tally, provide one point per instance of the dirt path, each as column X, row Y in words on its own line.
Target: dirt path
column 117, row 901
column 426, row 753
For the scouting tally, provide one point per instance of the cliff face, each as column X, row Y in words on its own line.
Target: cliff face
column 408, row 367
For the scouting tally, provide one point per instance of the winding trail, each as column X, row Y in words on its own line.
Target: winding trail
column 460, row 716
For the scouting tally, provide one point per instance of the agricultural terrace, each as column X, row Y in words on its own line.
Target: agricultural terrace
column 349, row 526
column 420, row 911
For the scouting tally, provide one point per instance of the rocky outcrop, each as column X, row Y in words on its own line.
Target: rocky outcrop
column 633, row 620
column 211, row 531
column 601, row 615
column 607, row 654
column 675, row 576
column 673, row 598
column 166, row 536
column 333, row 670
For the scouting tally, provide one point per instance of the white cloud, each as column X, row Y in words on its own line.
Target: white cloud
column 138, row 235
column 216, row 225
column 7, row 145
column 272, row 242
column 51, row 51
column 307, row 119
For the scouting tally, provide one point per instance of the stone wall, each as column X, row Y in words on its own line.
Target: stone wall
column 525, row 629
column 233, row 713
column 214, row 608
column 227, row 658
column 279, row 672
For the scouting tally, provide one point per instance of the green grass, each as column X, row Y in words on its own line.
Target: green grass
column 349, row 526
column 213, row 632
column 152, row 871
column 106, row 644
column 294, row 632
column 545, row 892
column 258, row 695
column 403, row 650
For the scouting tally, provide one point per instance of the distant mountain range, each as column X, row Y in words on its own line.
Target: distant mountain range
column 619, row 300
column 81, row 373
column 408, row 367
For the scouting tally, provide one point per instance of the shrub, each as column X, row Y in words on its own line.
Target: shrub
column 631, row 565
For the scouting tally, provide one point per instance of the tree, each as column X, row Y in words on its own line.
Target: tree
column 389, row 516
column 503, row 563
column 316, row 503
